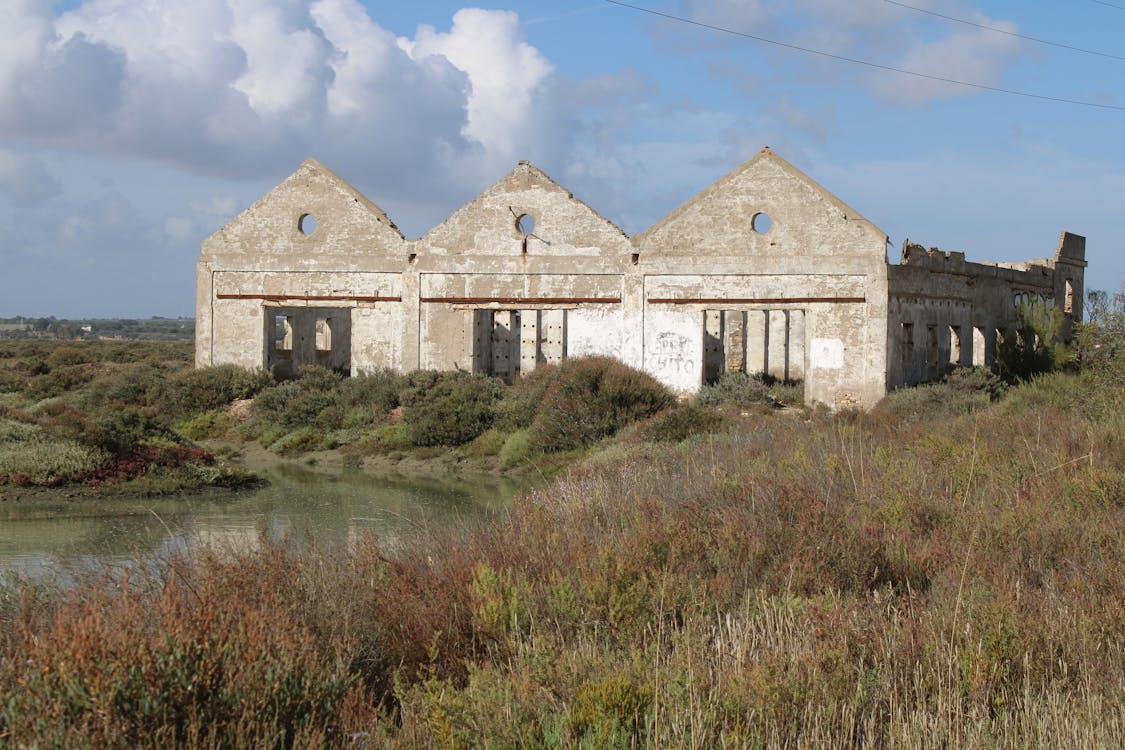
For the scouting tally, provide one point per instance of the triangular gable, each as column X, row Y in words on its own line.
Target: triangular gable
column 345, row 222
column 562, row 224
column 720, row 219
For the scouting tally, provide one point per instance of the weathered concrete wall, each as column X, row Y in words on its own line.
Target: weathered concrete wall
column 814, row 271
column 273, row 254
column 764, row 271
column 947, row 311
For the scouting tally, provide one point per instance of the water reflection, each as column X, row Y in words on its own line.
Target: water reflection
column 45, row 538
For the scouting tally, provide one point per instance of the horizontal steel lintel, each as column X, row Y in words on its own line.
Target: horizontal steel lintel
column 525, row 300
column 750, row 300
column 309, row 297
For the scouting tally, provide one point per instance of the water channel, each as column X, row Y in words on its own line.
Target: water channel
column 43, row 538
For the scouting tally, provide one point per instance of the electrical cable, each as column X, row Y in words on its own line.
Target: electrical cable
column 1007, row 33
column 867, row 63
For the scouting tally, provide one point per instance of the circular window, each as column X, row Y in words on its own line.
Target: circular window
column 306, row 224
column 761, row 223
column 525, row 224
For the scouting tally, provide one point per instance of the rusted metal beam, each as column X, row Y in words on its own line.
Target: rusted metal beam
column 750, row 300
column 309, row 297
column 525, row 300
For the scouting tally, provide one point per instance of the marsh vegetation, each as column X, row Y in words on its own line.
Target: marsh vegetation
column 944, row 571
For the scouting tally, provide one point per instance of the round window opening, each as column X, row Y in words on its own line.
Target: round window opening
column 761, row 223
column 525, row 224
column 306, row 224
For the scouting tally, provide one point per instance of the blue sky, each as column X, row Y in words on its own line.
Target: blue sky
column 130, row 131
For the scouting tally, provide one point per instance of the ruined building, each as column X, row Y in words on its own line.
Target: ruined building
column 763, row 271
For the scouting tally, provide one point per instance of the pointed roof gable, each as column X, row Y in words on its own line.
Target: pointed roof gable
column 346, row 221
column 767, row 184
column 562, row 224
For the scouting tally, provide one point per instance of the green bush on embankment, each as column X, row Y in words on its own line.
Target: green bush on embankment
column 103, row 412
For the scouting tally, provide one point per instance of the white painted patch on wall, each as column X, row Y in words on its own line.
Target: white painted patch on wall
column 674, row 348
column 826, row 354
column 593, row 331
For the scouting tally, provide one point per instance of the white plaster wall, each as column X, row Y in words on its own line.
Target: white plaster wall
column 375, row 339
column 591, row 331
column 674, row 348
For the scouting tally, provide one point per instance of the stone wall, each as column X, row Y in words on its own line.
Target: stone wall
column 947, row 311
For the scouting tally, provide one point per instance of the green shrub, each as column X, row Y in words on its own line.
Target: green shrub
column 516, row 449
column 317, row 378
column 12, row 431
column 12, row 382
column 70, row 355
column 787, row 393
column 122, row 430
column 1037, row 348
column 45, row 462
column 210, row 388
column 392, row 437
column 592, row 398
column 488, row 443
column 300, row 441
column 271, row 435
column 137, row 384
column 305, row 409
column 30, row 451
column 209, row 424
column 374, row 393
column 976, row 380
column 964, row 390
column 738, row 389
column 58, row 381
column 272, row 402
column 679, row 423
column 341, row 437
column 516, row 411
column 448, row 408
column 357, row 418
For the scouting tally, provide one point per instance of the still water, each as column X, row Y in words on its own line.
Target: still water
column 47, row 538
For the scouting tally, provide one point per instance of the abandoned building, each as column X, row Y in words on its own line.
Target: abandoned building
column 763, row 271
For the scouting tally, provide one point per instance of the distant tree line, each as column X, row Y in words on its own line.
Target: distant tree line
column 155, row 328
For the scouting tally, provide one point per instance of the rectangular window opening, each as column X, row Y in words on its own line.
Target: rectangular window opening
column 323, row 334
column 954, row 345
column 907, row 340
column 283, row 332
column 979, row 344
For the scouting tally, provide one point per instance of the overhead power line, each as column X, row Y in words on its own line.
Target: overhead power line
column 867, row 63
column 994, row 29
column 1110, row 5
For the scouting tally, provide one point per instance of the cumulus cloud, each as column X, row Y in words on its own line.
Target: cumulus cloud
column 236, row 88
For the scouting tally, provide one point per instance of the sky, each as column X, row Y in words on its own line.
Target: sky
column 130, row 131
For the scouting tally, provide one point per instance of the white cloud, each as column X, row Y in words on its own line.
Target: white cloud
column 740, row 15
column 967, row 54
column 508, row 106
column 25, row 180
column 245, row 88
column 878, row 32
column 180, row 229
